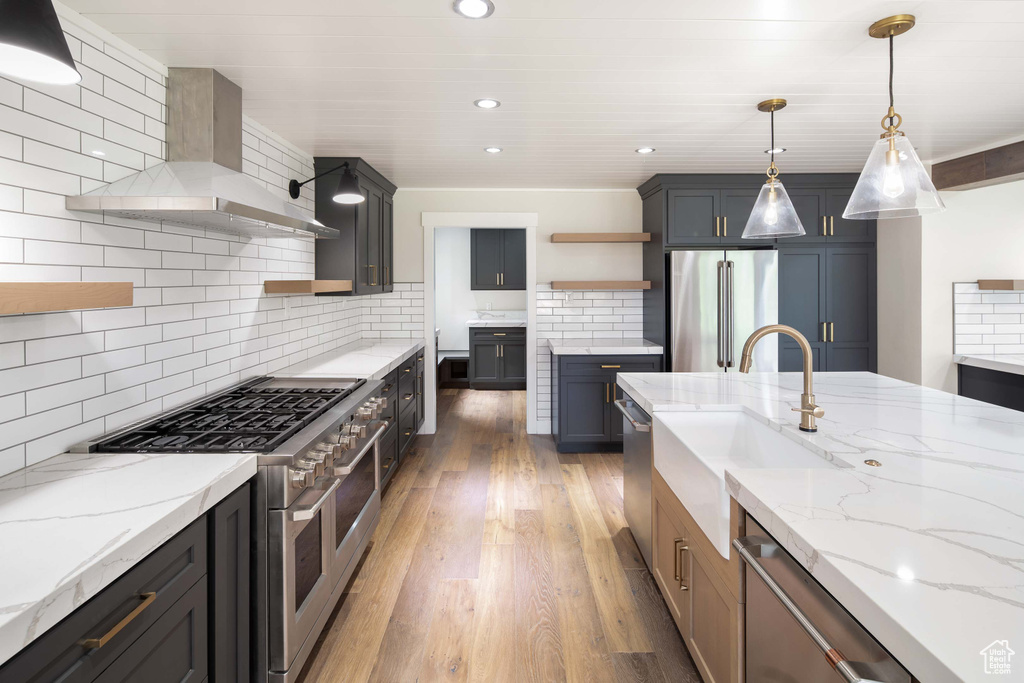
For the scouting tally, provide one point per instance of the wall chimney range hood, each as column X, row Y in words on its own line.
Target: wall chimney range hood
column 202, row 185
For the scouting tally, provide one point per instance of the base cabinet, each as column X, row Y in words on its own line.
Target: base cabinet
column 497, row 357
column 701, row 590
column 180, row 614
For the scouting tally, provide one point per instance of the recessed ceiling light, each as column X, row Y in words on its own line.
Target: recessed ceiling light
column 492, row 150
column 99, row 153
column 775, row 150
column 474, row 9
column 488, row 103
column 645, row 150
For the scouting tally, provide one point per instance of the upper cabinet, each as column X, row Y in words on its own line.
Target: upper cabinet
column 703, row 210
column 364, row 252
column 498, row 259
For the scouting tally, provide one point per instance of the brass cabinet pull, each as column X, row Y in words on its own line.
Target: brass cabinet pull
column 96, row 643
column 502, row 279
column 824, row 332
column 680, row 551
column 824, row 226
column 497, row 350
column 718, row 228
column 606, row 392
column 374, row 283
column 831, row 332
column 407, row 370
column 408, row 397
column 386, row 274
column 497, row 279
column 679, row 560
column 420, row 359
column 832, row 226
column 725, row 226
column 500, row 334
column 611, row 367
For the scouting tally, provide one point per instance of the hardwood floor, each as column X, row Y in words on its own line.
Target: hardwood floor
column 498, row 560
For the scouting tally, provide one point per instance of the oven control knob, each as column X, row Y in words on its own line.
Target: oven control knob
column 381, row 402
column 316, row 466
column 301, row 477
column 353, row 429
column 368, row 411
column 345, row 443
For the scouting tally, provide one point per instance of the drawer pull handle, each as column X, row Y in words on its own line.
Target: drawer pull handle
column 97, row 643
column 407, row 370
column 420, row 359
column 407, row 398
column 610, row 367
column 500, row 334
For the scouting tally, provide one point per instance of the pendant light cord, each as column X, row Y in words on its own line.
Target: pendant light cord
column 892, row 101
column 773, row 136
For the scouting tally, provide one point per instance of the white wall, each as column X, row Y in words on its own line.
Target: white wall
column 456, row 301
column 980, row 235
column 899, row 299
column 558, row 211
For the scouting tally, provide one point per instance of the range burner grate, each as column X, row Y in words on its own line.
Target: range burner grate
column 256, row 417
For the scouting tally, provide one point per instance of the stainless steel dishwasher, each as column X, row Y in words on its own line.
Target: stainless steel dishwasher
column 637, row 469
column 795, row 631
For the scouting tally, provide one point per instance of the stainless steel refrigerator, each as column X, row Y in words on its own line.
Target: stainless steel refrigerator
column 718, row 298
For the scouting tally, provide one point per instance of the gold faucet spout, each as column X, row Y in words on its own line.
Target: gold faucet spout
column 808, row 410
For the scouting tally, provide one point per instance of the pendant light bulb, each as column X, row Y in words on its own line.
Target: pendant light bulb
column 894, row 182
column 773, row 215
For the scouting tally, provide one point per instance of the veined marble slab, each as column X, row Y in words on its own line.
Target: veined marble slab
column 927, row 551
column 603, row 347
column 361, row 360
column 1012, row 363
column 496, row 322
column 71, row 525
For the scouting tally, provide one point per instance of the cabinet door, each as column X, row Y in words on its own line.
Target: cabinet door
column 736, row 208
column 851, row 309
column 586, row 416
column 513, row 257
column 484, row 362
column 513, row 361
column 802, row 303
column 374, row 212
column 485, row 258
column 842, row 230
column 669, row 540
column 715, row 622
column 229, row 587
column 810, row 207
column 692, row 217
column 387, row 244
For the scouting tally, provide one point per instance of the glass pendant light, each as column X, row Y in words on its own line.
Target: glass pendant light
column 773, row 216
column 32, row 43
column 894, row 182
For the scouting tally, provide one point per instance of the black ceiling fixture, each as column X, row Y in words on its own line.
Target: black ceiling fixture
column 32, row 43
column 348, row 188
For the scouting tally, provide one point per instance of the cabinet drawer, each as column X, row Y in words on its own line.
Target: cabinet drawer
column 390, row 388
column 406, row 433
column 496, row 333
column 167, row 574
column 596, row 365
column 174, row 649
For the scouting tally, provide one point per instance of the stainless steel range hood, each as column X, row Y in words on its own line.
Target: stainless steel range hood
column 202, row 185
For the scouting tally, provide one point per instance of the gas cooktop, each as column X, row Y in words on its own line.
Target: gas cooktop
column 254, row 417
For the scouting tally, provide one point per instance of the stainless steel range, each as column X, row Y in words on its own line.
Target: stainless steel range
column 317, row 498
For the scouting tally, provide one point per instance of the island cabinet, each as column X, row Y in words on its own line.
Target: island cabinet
column 498, row 259
column 497, row 358
column 403, row 393
column 364, row 253
column 701, row 588
column 180, row 614
column 583, row 388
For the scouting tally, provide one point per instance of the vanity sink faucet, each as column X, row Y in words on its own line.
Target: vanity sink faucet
column 809, row 412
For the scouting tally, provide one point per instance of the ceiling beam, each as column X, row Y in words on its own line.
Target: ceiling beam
column 991, row 167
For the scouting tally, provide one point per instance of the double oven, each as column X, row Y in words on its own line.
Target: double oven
column 323, row 510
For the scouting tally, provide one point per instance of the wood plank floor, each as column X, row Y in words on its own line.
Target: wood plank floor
column 496, row 559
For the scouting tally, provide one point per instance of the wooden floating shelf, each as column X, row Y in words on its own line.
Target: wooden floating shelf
column 42, row 297
column 601, row 284
column 1005, row 285
column 600, row 237
column 307, row 286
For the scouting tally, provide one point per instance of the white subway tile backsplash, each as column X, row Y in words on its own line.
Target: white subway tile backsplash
column 987, row 322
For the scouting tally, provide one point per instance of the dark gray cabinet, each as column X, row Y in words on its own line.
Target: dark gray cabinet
column 178, row 598
column 694, row 217
column 583, row 398
column 1004, row 389
column 498, row 259
column 737, row 204
column 828, row 294
column 364, row 251
column 841, row 229
column 497, row 357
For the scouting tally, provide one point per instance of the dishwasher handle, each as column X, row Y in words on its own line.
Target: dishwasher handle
column 832, row 655
column 638, row 426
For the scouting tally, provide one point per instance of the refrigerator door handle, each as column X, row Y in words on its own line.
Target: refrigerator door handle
column 730, row 303
column 722, row 312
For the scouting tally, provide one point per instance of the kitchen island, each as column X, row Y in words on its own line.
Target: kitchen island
column 925, row 551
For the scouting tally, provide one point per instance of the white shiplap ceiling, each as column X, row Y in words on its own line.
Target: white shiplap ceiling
column 583, row 83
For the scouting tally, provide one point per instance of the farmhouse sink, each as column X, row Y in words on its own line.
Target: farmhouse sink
column 692, row 451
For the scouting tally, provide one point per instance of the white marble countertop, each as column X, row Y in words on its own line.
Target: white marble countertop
column 603, row 347
column 71, row 525
column 926, row 551
column 496, row 322
column 363, row 360
column 1012, row 363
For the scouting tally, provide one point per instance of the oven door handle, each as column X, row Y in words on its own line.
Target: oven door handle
column 304, row 513
column 346, row 468
column 833, row 656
